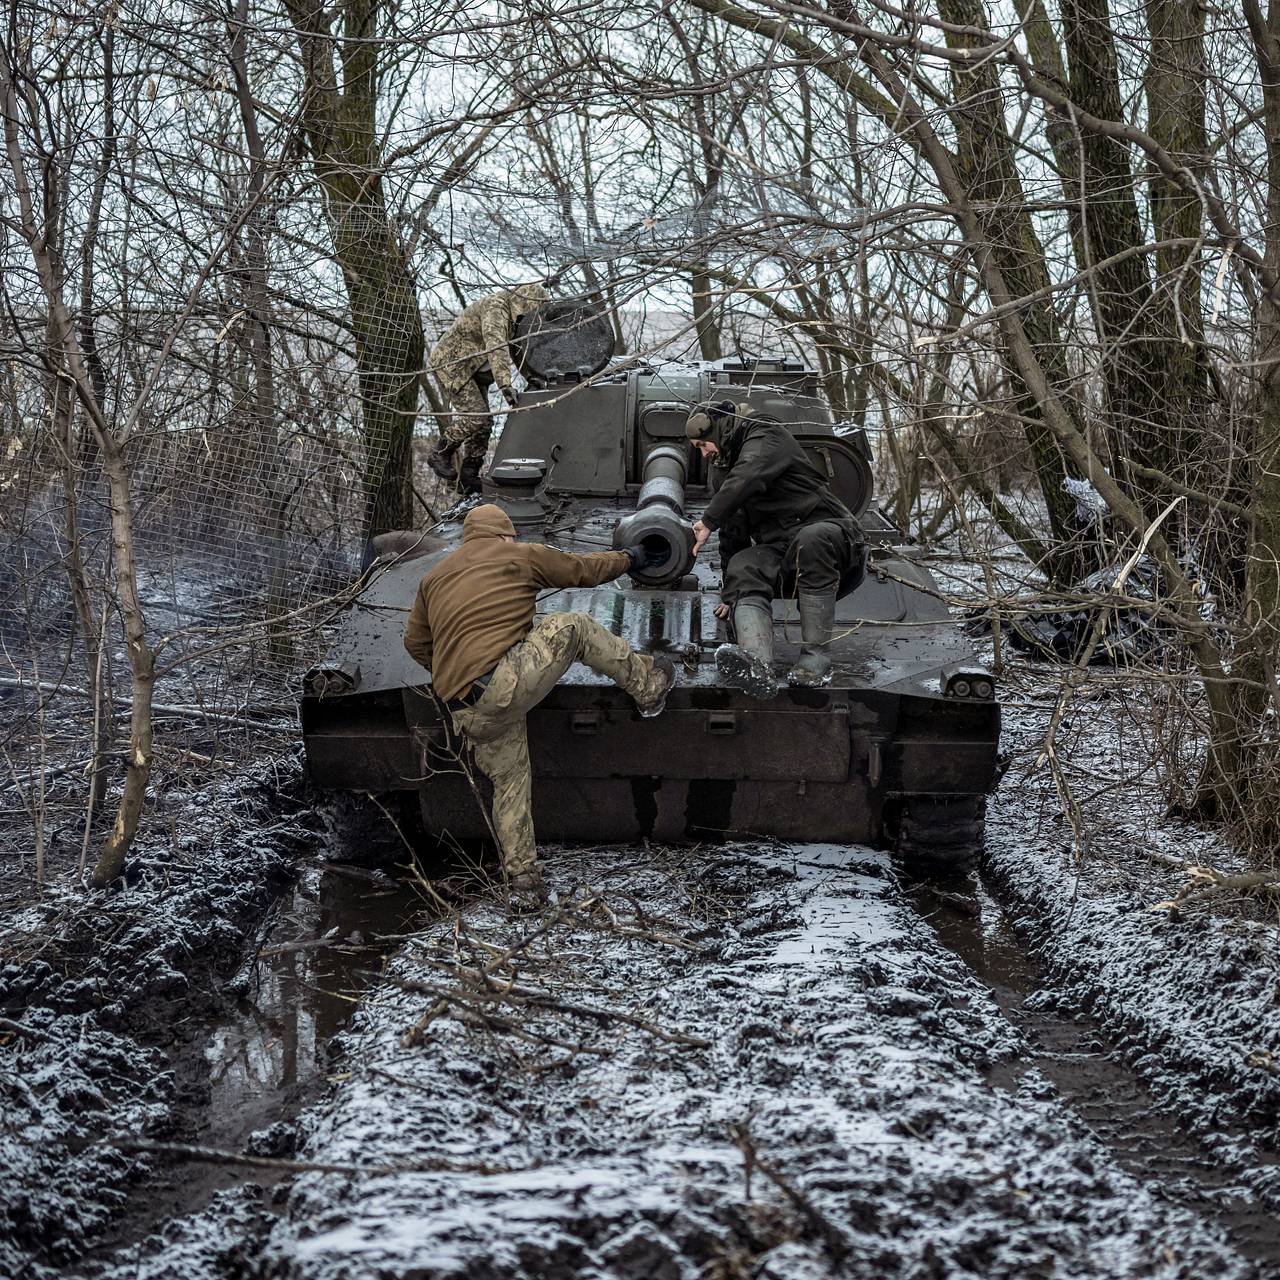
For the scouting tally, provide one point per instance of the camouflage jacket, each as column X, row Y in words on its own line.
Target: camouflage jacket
column 482, row 335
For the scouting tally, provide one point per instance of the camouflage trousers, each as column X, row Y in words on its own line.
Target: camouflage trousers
column 468, row 427
column 494, row 725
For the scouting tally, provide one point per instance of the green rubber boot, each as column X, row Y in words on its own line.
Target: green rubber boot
column 817, row 621
column 748, row 665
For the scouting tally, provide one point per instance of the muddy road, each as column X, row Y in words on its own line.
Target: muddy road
column 742, row 1061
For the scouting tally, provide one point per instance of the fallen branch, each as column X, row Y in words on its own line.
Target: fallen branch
column 21, row 1029
column 835, row 1244
column 531, row 997
column 1205, row 882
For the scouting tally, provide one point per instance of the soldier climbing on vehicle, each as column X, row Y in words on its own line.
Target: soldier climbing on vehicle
column 472, row 626
column 471, row 356
column 782, row 530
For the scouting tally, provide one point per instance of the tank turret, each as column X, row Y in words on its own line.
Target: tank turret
column 896, row 749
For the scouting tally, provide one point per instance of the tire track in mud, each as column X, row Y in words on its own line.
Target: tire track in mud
column 249, row 1071
column 1077, row 1060
column 924, row 1127
column 871, row 1069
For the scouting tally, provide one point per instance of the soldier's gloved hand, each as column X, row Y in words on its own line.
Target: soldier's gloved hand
column 643, row 557
column 510, row 396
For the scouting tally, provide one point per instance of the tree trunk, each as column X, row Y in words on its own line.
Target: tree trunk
column 141, row 665
column 704, row 314
column 341, row 131
column 1175, row 91
column 257, row 332
column 1240, row 777
column 984, row 163
column 1108, row 222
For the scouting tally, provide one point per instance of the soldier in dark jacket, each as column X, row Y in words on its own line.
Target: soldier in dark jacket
column 781, row 529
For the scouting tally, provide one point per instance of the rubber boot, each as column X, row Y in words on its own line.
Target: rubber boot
column 469, row 476
column 440, row 460
column 817, row 621
column 748, row 665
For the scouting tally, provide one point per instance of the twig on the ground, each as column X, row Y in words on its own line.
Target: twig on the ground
column 21, row 1029
column 530, row 997
column 835, row 1244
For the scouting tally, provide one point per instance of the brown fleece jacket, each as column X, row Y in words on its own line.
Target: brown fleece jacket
column 476, row 603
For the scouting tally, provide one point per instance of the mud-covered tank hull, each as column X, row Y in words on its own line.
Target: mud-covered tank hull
column 832, row 764
column 812, row 772
column 900, row 748
column 829, row 765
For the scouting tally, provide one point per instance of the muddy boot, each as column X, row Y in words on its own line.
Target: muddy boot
column 748, row 665
column 469, row 476
column 653, row 697
column 440, row 460
column 817, row 621
column 527, row 892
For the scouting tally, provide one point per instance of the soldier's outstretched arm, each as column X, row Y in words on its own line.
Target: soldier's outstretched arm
column 495, row 330
column 552, row 568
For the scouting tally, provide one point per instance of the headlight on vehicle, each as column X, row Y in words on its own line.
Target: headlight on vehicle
column 968, row 682
column 330, row 681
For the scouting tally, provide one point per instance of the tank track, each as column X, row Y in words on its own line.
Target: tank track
column 940, row 831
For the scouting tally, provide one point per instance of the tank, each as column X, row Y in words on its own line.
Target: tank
column 900, row 749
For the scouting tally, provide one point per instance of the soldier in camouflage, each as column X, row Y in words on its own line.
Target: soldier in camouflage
column 472, row 355
column 473, row 626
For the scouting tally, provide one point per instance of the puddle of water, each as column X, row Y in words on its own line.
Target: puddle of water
column 264, row 1059
column 1076, row 1057
column 265, row 1055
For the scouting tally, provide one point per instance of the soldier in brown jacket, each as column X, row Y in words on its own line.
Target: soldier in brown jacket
column 473, row 355
column 472, row 626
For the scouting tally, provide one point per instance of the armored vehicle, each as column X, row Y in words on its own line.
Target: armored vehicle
column 900, row 748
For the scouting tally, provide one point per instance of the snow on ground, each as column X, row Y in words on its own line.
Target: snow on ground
column 100, row 986
column 1190, row 998
column 848, row 1045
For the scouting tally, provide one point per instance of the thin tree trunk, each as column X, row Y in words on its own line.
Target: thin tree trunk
column 985, row 164
column 1175, row 92
column 258, row 329
column 1234, row 781
column 1137, row 392
column 341, row 130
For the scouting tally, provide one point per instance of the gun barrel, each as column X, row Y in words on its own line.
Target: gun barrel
column 658, row 522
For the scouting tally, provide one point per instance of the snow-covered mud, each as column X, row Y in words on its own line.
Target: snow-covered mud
column 703, row 1063
column 1189, row 997
column 715, row 1062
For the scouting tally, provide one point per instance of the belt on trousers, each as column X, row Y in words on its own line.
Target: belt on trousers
column 472, row 695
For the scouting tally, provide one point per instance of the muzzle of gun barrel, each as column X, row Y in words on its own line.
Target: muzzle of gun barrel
column 658, row 523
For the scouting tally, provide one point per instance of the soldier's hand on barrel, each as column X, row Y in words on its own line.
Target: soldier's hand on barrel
column 643, row 557
column 700, row 535
column 721, row 611
column 511, row 396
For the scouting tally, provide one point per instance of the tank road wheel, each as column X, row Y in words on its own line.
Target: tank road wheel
column 940, row 831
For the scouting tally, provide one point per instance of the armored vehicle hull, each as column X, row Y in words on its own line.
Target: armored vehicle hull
column 900, row 748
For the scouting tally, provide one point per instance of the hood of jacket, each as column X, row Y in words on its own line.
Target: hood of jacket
column 721, row 422
column 525, row 298
column 487, row 521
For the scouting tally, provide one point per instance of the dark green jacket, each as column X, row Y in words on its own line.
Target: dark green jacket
column 772, row 488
